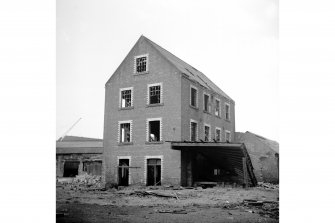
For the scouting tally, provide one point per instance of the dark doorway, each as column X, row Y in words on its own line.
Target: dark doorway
column 71, row 168
column 123, row 172
column 153, row 172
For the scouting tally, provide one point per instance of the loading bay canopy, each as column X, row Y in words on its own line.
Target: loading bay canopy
column 202, row 157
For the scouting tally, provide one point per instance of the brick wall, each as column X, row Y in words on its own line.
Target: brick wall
column 175, row 114
column 160, row 71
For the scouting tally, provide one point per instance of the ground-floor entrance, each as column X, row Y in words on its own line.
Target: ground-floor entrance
column 153, row 172
column 209, row 163
column 123, row 172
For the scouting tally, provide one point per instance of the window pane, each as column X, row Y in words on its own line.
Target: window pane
column 125, row 132
column 193, row 131
column 206, row 99
column 126, row 98
column 141, row 64
column 193, row 97
column 206, row 133
column 217, row 107
column 155, row 94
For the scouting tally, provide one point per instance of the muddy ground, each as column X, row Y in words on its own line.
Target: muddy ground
column 130, row 204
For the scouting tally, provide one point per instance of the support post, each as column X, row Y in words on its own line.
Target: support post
column 245, row 172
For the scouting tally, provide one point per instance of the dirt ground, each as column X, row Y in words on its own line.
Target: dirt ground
column 219, row 204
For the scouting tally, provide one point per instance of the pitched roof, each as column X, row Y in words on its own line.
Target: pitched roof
column 191, row 72
column 77, row 139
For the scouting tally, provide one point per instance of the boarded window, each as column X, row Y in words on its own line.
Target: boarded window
column 154, row 131
column 92, row 167
column 194, row 97
column 207, row 130
column 141, row 64
column 155, row 94
column 193, row 131
column 125, row 132
column 125, row 98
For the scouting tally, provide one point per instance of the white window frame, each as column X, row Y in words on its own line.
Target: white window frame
column 218, row 128
column 161, row 93
column 197, row 95
column 119, row 130
column 217, row 99
column 132, row 97
column 209, row 133
column 226, row 111
column 147, row 65
column 160, row 129
column 229, row 140
column 196, row 131
column 209, row 102
column 118, row 161
column 145, row 166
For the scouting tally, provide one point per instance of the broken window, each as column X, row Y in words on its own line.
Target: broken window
column 194, row 94
column 193, row 131
column 217, row 107
column 227, row 109
column 153, row 172
column 71, row 168
column 154, row 131
column 126, row 98
column 141, row 64
column 218, row 135
column 125, row 132
column 155, row 94
column 207, row 133
column 228, row 139
column 206, row 102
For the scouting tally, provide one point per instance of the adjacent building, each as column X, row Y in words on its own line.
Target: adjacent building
column 78, row 155
column 166, row 123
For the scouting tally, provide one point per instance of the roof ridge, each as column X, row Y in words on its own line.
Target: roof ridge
column 180, row 64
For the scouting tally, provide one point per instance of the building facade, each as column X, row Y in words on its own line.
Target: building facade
column 153, row 99
column 78, row 155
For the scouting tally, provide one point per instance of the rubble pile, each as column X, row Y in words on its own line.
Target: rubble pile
column 86, row 180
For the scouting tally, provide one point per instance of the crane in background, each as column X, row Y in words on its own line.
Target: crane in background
column 61, row 138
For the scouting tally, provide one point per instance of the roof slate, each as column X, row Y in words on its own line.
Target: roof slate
column 187, row 69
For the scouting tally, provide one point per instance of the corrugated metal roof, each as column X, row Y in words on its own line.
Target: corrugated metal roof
column 187, row 69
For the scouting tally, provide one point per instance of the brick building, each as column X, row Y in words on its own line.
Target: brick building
column 78, row 155
column 167, row 123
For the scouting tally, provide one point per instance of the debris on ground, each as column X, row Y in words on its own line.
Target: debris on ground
column 268, row 185
column 176, row 211
column 267, row 208
column 83, row 181
column 151, row 193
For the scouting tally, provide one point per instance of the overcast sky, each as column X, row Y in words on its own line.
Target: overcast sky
column 234, row 43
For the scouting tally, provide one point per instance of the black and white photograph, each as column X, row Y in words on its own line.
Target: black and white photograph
column 167, row 111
